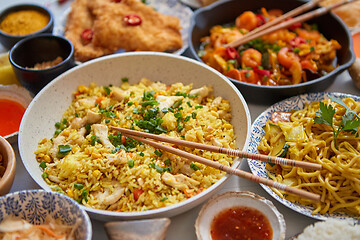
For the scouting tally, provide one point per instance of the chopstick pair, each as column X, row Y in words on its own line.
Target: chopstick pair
column 139, row 136
column 269, row 26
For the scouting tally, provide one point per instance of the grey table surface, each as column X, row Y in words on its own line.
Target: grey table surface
column 182, row 226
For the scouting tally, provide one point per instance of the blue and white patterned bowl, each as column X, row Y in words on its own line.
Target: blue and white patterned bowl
column 258, row 168
column 35, row 206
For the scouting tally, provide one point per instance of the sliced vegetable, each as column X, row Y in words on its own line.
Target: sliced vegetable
column 132, row 20
column 137, row 192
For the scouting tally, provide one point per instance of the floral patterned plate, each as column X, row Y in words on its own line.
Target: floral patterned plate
column 35, row 206
column 258, row 168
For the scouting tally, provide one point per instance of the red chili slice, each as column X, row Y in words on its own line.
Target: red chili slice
column 261, row 19
column 262, row 72
column 87, row 35
column 132, row 20
column 296, row 41
column 231, row 53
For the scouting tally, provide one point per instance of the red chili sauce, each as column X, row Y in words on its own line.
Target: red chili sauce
column 11, row 113
column 241, row 223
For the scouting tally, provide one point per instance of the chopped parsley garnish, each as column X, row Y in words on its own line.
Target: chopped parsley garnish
column 167, row 162
column 200, row 106
column 107, row 90
column 193, row 115
column 194, row 167
column 187, row 118
column 158, row 153
column 107, row 112
column 349, row 122
column 189, row 103
column 160, row 169
column 124, row 79
column 94, row 139
column 42, row 164
column 163, row 199
column 131, row 163
column 78, row 186
column 177, row 104
column 84, row 195
column 44, row 175
column 63, row 150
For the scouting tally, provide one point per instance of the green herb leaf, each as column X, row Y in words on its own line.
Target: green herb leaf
column 42, row 164
column 131, row 163
column 78, row 186
column 194, row 167
column 107, row 90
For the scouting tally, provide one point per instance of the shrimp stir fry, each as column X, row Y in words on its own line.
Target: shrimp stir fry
column 294, row 55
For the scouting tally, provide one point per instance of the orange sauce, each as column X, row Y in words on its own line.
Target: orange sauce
column 11, row 113
column 356, row 44
column 241, row 223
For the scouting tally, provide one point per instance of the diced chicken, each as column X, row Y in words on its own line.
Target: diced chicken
column 158, row 86
column 59, row 140
column 216, row 102
column 146, row 82
column 80, row 137
column 179, row 181
column 201, row 92
column 86, row 102
column 101, row 131
column 109, row 197
column 167, row 101
column 216, row 143
column 117, row 94
column 118, row 158
column 181, row 165
column 224, row 115
column 54, row 178
column 90, row 118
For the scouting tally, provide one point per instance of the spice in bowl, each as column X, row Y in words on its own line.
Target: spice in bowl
column 24, row 22
column 47, row 64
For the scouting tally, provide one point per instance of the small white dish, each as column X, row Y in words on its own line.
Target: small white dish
column 227, row 200
column 15, row 93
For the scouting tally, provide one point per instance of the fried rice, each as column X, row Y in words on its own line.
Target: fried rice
column 100, row 168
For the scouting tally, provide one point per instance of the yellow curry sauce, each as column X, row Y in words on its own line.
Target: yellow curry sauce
column 24, row 22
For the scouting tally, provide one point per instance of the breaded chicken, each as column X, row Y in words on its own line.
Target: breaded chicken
column 81, row 18
column 111, row 31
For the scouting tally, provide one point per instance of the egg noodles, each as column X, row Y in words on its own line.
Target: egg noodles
column 302, row 138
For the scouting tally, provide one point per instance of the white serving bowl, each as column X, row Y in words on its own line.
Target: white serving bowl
column 227, row 200
column 50, row 103
column 37, row 206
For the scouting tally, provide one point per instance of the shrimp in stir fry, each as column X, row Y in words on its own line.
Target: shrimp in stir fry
column 293, row 55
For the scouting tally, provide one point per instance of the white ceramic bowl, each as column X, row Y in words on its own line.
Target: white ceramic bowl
column 48, row 106
column 36, row 206
column 228, row 200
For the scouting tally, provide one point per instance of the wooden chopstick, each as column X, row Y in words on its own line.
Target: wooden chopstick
column 292, row 13
column 232, row 152
column 227, row 169
column 285, row 24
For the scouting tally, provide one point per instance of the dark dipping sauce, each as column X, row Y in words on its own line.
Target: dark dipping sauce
column 241, row 223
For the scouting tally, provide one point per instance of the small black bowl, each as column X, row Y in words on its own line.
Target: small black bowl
column 8, row 40
column 38, row 49
column 224, row 12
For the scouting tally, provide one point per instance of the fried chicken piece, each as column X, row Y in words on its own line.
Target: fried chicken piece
column 81, row 18
column 110, row 32
column 157, row 32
